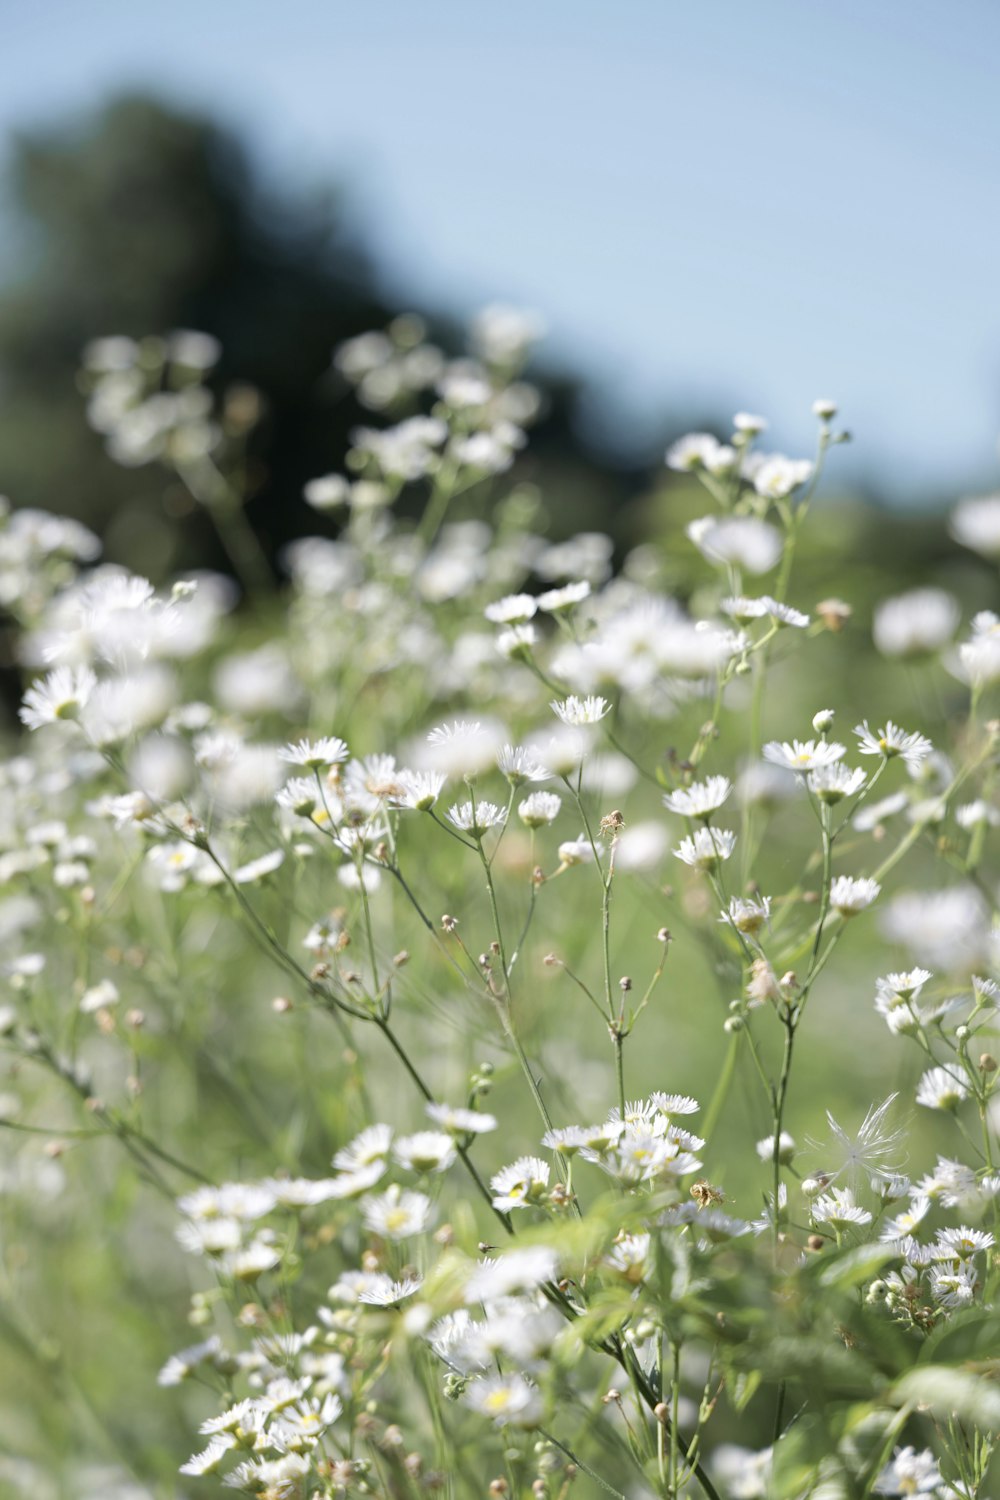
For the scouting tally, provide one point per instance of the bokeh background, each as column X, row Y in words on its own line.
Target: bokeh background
column 711, row 207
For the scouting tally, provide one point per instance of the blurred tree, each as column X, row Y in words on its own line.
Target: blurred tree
column 151, row 220
column 148, row 219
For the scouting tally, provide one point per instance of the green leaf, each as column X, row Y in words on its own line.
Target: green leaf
column 946, row 1392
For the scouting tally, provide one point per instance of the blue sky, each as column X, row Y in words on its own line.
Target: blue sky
column 718, row 206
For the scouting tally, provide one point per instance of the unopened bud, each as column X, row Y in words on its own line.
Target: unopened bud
column 815, row 1242
column 661, row 1411
column 281, row 1004
column 825, row 409
column 823, row 720
column 988, row 1063
column 732, row 1024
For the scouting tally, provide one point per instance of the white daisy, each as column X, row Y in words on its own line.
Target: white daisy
column 706, row 848
column 700, row 799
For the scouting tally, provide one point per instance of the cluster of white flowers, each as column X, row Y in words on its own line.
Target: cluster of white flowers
column 511, row 766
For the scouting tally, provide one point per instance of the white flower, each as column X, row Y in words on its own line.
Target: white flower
column 706, row 848
column 891, row 741
column 580, row 711
column 397, row 1214
column 802, row 756
column 743, row 1474
column 954, row 1286
column 464, row 747
column 461, row 1121
column 371, row 1146
column 694, row 451
column 786, row 1147
column 909, row 1473
column 751, row 544
column 971, row 814
column 509, row 1399
column 976, row 524
column 944, row 929
column 418, row 790
column 915, row 623
column 745, row 421
column 747, row 915
column 515, row 640
column 328, row 492
column 514, row 1271
column 833, row 783
column 578, row 851
column 519, row 765
column 554, row 601
column 208, row 1460
column 380, row 1290
column 476, row 817
column 425, row 1151
column 850, row 896
column 99, row 996
column 942, row 1088
column 59, row 696
column 778, row 476
column 700, row 799
column 182, row 1364
column 903, row 1224
column 514, row 609
column 315, row 755
column 258, row 869
column 979, row 658
column 539, row 809
column 524, row 1182
column 962, row 1243
column 641, row 846
column 839, row 1209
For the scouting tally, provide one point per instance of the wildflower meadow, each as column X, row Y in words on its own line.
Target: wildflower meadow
column 484, row 1014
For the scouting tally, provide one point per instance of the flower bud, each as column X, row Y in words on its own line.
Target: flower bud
column 823, row 720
